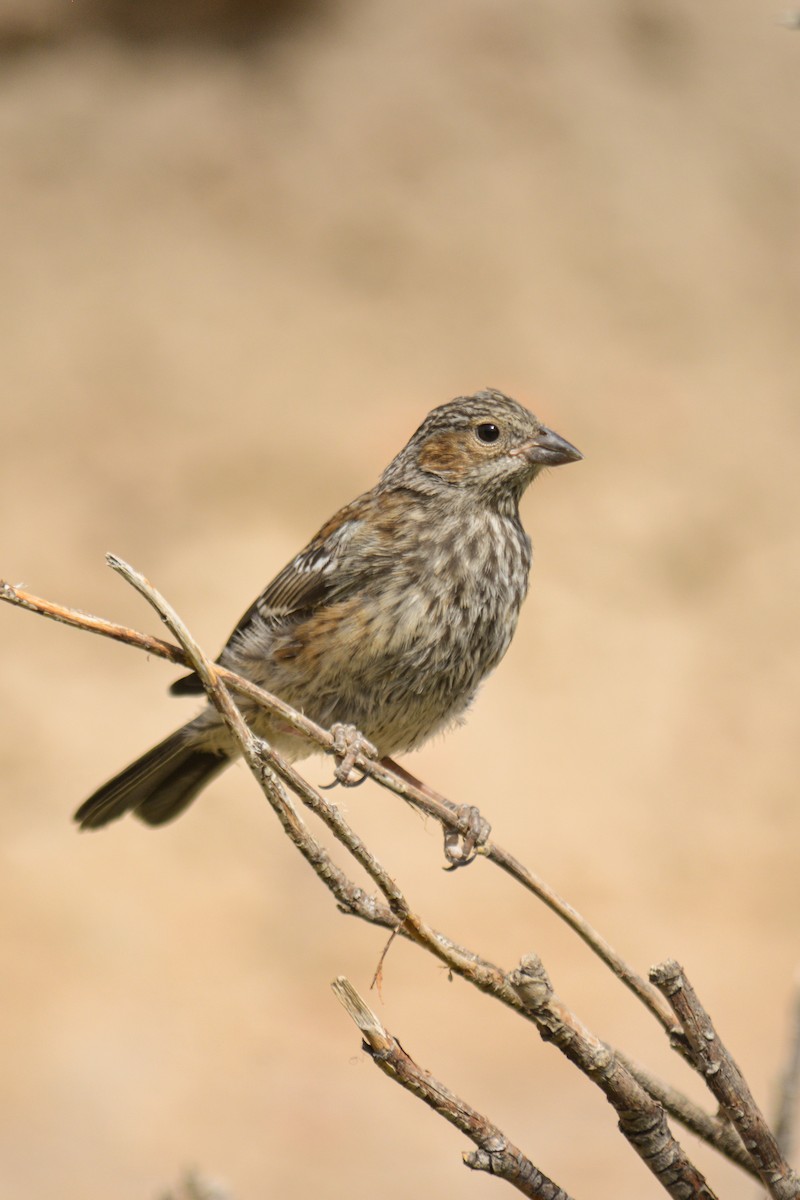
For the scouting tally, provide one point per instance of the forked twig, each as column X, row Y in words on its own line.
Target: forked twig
column 272, row 770
column 642, row 1119
column 716, row 1131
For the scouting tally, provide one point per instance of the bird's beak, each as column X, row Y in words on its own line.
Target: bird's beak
column 549, row 450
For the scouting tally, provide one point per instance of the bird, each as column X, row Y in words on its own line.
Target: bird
column 387, row 621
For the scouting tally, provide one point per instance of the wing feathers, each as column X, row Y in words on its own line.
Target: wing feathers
column 313, row 578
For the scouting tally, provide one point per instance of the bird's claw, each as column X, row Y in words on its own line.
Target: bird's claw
column 350, row 746
column 463, row 844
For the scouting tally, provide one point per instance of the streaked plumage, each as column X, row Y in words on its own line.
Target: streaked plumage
column 389, row 619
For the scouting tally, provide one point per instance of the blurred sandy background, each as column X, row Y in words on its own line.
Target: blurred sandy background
column 244, row 250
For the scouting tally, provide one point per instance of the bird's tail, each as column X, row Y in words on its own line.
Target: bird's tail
column 158, row 786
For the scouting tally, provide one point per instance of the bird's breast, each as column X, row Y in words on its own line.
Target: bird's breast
column 455, row 596
column 403, row 655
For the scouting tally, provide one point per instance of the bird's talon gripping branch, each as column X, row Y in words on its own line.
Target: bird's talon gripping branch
column 462, row 845
column 349, row 745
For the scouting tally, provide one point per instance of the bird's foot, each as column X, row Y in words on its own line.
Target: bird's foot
column 351, row 749
column 463, row 844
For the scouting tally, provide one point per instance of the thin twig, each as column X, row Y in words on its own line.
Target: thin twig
column 726, row 1082
column 496, row 1154
column 255, row 752
column 640, row 987
column 387, row 774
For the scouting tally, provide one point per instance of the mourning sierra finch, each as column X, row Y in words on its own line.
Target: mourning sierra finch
column 390, row 617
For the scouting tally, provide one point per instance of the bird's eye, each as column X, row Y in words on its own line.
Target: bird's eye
column 487, row 433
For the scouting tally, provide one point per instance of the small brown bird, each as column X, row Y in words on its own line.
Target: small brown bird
column 390, row 617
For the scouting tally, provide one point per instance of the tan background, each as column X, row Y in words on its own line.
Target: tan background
column 242, row 256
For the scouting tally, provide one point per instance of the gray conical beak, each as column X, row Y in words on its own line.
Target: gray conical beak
column 550, row 450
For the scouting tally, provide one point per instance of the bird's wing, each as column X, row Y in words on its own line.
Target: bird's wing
column 324, row 571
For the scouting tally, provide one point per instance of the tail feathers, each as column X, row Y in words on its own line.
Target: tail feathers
column 187, row 685
column 157, row 787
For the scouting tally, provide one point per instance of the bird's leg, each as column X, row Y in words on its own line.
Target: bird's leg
column 462, row 844
column 348, row 746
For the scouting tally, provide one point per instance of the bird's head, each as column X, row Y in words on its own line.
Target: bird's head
column 487, row 444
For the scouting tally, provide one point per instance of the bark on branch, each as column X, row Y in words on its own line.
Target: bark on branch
column 726, row 1082
column 496, row 1154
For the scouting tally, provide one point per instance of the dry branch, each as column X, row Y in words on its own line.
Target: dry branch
column 642, row 1119
column 637, row 1097
column 726, row 1082
column 717, row 1132
column 386, row 773
column 496, row 1154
